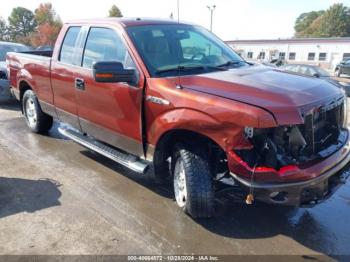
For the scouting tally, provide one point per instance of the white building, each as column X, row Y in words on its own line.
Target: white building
column 324, row 52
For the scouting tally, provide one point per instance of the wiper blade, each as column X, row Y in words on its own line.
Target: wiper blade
column 179, row 69
column 189, row 68
column 228, row 63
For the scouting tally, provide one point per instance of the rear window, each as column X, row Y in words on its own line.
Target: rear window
column 68, row 45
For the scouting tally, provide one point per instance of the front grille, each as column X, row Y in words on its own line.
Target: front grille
column 322, row 127
column 321, row 134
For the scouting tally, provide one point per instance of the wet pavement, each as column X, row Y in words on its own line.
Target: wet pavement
column 56, row 197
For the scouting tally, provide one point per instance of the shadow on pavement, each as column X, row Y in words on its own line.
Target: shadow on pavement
column 12, row 105
column 23, row 195
column 144, row 180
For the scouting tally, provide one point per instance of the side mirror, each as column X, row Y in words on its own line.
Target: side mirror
column 316, row 75
column 113, row 72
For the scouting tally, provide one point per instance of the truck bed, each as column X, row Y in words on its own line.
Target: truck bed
column 33, row 67
column 39, row 53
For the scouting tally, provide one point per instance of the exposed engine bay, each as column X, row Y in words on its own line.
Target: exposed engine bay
column 321, row 135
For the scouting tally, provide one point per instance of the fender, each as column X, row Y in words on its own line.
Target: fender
column 24, row 75
column 226, row 133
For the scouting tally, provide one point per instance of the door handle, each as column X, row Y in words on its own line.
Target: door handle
column 79, row 84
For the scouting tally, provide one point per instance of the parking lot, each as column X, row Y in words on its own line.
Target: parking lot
column 58, row 198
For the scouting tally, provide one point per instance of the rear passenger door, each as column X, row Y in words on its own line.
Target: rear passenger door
column 111, row 112
column 62, row 76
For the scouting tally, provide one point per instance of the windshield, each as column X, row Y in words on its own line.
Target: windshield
column 10, row 48
column 168, row 50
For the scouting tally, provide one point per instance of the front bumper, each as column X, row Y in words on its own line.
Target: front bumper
column 304, row 193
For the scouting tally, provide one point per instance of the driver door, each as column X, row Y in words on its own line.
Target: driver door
column 110, row 112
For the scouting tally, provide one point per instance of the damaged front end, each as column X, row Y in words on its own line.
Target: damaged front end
column 298, row 165
column 284, row 148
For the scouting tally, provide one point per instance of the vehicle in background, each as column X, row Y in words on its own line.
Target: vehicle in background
column 342, row 68
column 273, row 63
column 172, row 100
column 44, row 48
column 6, row 47
column 315, row 71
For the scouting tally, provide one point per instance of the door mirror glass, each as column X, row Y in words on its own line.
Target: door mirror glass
column 113, row 72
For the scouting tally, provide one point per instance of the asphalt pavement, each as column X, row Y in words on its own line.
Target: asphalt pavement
column 57, row 197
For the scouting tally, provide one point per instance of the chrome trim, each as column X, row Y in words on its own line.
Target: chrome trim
column 157, row 100
column 115, row 139
column 48, row 108
column 150, row 149
column 68, row 118
column 136, row 165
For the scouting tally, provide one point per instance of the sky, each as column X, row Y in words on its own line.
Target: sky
column 233, row 19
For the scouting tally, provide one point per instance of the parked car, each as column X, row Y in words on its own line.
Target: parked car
column 44, row 48
column 126, row 89
column 6, row 47
column 343, row 68
column 317, row 72
column 274, row 63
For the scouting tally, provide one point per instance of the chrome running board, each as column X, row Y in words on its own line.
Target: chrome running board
column 130, row 161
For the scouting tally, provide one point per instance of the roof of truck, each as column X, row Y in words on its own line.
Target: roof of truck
column 127, row 21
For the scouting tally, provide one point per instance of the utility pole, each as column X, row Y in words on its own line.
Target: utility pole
column 211, row 9
column 178, row 11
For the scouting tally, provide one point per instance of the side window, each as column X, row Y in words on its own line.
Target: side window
column 104, row 44
column 67, row 49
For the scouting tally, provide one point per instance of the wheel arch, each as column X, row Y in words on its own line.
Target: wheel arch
column 23, row 87
column 169, row 139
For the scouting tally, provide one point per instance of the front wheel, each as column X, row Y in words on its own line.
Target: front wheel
column 36, row 119
column 193, row 182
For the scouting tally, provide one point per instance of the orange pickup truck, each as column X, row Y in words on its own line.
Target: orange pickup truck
column 172, row 100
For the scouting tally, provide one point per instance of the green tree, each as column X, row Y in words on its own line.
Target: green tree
column 21, row 24
column 303, row 24
column 335, row 22
column 3, row 30
column 115, row 12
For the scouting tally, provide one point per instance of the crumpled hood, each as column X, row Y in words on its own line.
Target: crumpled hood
column 285, row 95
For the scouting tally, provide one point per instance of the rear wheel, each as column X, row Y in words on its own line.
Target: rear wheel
column 192, row 180
column 36, row 119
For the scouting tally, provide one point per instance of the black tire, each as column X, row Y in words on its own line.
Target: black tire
column 36, row 119
column 198, row 179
